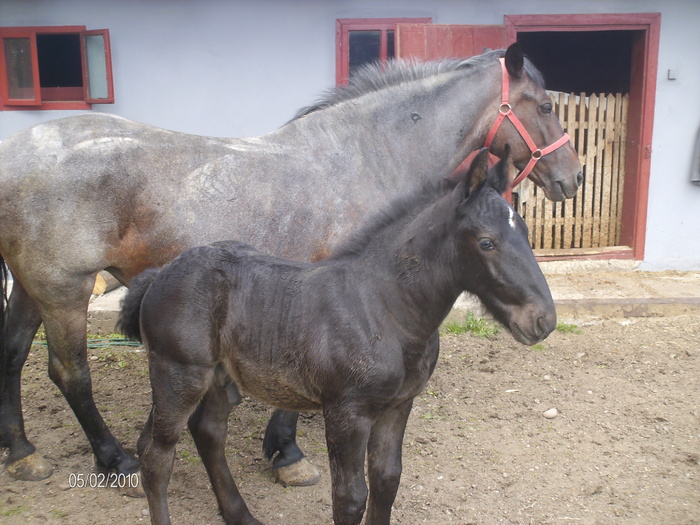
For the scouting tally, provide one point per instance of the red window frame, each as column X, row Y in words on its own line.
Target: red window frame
column 53, row 98
column 343, row 26
column 84, row 54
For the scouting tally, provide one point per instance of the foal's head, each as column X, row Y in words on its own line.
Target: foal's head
column 499, row 265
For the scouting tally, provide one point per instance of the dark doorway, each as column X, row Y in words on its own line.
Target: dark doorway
column 633, row 37
column 581, row 61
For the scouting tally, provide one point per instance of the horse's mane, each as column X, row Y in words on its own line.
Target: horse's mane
column 401, row 209
column 374, row 77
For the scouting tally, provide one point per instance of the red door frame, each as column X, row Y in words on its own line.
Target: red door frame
column 645, row 52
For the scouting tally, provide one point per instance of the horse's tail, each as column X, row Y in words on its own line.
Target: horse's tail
column 128, row 323
column 4, row 300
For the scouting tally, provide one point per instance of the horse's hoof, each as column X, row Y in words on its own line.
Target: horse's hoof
column 133, row 490
column 33, row 467
column 299, row 474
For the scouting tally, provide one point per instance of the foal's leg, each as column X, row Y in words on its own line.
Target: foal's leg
column 384, row 462
column 290, row 465
column 208, row 426
column 177, row 389
column 21, row 323
column 65, row 322
column 346, row 436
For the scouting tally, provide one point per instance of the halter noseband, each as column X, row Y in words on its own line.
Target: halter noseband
column 504, row 111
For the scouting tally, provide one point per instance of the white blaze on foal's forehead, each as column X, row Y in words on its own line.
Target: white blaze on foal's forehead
column 511, row 217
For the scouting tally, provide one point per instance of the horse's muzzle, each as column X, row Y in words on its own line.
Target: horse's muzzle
column 534, row 329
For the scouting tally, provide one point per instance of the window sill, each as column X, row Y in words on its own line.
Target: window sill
column 53, row 105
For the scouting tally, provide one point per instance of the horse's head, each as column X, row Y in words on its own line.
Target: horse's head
column 557, row 169
column 492, row 243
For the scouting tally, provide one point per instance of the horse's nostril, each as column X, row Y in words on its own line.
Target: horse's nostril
column 579, row 178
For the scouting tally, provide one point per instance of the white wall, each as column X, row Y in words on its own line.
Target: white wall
column 244, row 67
column 673, row 223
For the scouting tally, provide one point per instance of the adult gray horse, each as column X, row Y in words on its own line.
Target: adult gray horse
column 95, row 192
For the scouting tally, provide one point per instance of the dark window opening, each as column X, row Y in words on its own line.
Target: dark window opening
column 581, row 61
column 390, row 47
column 60, row 63
column 365, row 48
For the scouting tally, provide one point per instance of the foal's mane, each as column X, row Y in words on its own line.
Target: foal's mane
column 375, row 77
column 399, row 210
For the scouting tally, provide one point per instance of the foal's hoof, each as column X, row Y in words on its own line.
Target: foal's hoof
column 30, row 468
column 299, row 474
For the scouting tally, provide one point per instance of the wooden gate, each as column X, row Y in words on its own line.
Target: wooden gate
column 590, row 222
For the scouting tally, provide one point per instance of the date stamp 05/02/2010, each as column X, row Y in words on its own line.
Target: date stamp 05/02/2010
column 96, row 480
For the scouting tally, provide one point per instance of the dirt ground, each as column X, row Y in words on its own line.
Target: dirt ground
column 623, row 449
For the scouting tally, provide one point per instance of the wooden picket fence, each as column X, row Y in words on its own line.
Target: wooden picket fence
column 597, row 125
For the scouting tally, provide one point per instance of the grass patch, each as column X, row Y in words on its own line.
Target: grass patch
column 190, row 458
column 13, row 512
column 471, row 325
column 567, row 328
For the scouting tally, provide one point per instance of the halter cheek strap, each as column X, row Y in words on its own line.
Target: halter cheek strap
column 504, row 111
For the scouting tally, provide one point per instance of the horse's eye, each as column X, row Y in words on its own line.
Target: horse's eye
column 486, row 244
column 546, row 108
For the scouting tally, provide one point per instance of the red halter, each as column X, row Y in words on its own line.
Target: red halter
column 504, row 111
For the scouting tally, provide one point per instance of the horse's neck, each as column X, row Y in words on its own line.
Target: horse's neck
column 422, row 265
column 423, row 129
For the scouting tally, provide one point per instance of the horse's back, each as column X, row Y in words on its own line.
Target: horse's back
column 96, row 142
column 107, row 186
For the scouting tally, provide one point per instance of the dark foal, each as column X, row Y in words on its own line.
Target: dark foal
column 355, row 335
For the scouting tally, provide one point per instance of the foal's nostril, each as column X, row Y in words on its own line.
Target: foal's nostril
column 579, row 178
column 543, row 327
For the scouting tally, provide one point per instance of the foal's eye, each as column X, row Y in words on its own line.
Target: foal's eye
column 546, row 108
column 486, row 244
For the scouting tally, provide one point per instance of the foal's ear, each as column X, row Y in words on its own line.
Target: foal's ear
column 503, row 172
column 478, row 172
column 515, row 60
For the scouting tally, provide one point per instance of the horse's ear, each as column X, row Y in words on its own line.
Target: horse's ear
column 515, row 60
column 503, row 172
column 478, row 172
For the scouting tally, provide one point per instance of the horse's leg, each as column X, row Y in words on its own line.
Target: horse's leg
column 208, row 426
column 290, row 466
column 21, row 323
column 347, row 434
column 384, row 462
column 65, row 323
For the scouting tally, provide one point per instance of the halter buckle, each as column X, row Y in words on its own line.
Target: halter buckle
column 537, row 154
column 504, row 109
